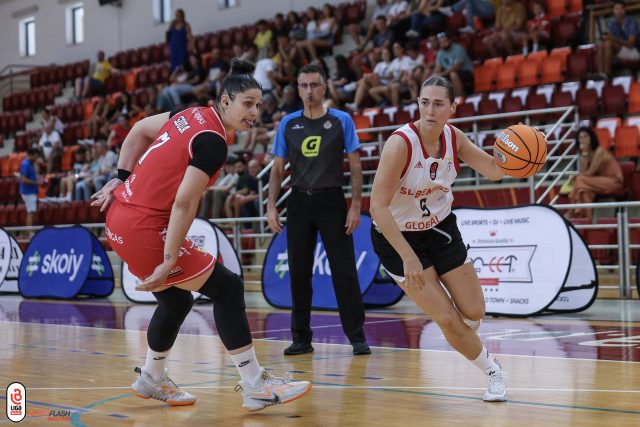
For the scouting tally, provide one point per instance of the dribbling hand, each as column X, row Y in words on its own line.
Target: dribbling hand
column 104, row 197
column 413, row 278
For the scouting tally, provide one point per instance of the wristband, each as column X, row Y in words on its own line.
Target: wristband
column 123, row 174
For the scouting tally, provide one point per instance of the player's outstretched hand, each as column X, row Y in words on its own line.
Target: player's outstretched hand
column 156, row 282
column 104, row 197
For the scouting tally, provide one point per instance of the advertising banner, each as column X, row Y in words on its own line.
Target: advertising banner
column 276, row 282
column 525, row 257
column 201, row 232
column 63, row 262
column 10, row 259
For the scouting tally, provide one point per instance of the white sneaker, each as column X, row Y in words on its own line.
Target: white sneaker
column 446, row 10
column 497, row 389
column 164, row 389
column 412, row 34
column 467, row 29
column 271, row 390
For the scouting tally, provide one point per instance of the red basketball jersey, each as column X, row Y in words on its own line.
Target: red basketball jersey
column 154, row 181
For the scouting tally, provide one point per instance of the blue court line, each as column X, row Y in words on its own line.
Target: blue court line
column 51, row 405
column 75, row 417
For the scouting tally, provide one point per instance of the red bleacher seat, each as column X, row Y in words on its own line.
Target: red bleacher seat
column 627, row 142
column 587, row 102
column 613, row 100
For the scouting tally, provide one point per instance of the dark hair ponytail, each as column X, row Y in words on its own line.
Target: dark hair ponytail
column 240, row 79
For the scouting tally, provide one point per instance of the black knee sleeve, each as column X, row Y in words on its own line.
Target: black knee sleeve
column 173, row 306
column 226, row 290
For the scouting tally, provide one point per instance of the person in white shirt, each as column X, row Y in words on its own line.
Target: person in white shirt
column 320, row 32
column 216, row 195
column 51, row 145
column 401, row 65
column 382, row 74
column 368, row 30
column 415, row 234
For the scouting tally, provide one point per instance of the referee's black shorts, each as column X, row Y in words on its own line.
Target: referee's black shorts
column 442, row 248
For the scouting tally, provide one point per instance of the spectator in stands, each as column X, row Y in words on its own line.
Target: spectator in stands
column 400, row 66
column 320, row 31
column 600, row 173
column 125, row 105
column 538, row 29
column 290, row 58
column 290, row 102
column 482, row 9
column 241, row 170
column 98, row 118
column 29, row 183
column 621, row 42
column 217, row 194
column 399, row 16
column 81, row 169
column 244, row 200
column 107, row 165
column 342, row 85
column 218, row 69
column 453, row 63
column 183, row 79
column 49, row 118
column 264, row 72
column 263, row 38
column 382, row 75
column 366, row 60
column 119, row 132
column 424, row 70
column 280, row 27
column 51, row 145
column 427, row 15
column 511, row 17
column 381, row 10
column 298, row 30
column 93, row 84
column 180, row 40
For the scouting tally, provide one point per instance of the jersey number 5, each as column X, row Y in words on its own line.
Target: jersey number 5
column 162, row 139
column 424, row 208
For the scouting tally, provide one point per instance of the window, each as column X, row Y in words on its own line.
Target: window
column 162, row 11
column 28, row 36
column 226, row 4
column 75, row 23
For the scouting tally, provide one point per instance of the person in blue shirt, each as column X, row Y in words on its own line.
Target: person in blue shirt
column 621, row 42
column 29, row 183
column 314, row 141
column 453, row 63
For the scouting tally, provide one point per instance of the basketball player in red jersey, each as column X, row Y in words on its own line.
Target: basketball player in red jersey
column 166, row 162
column 415, row 233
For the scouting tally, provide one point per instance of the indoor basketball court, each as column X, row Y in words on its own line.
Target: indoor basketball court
column 76, row 358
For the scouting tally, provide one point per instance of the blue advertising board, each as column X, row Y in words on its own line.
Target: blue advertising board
column 63, row 262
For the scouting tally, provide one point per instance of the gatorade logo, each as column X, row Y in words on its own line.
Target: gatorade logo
column 56, row 263
column 311, row 146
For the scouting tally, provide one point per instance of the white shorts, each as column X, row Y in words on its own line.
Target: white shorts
column 31, row 202
column 628, row 54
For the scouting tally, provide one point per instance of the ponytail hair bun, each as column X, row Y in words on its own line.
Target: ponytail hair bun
column 239, row 66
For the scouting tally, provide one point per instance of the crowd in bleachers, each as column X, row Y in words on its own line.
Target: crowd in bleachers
column 502, row 56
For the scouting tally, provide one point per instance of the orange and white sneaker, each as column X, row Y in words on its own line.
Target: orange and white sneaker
column 164, row 389
column 271, row 390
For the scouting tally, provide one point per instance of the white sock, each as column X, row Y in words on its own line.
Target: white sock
column 485, row 362
column 156, row 362
column 535, row 47
column 525, row 51
column 247, row 364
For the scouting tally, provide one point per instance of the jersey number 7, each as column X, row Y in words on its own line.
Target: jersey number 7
column 162, row 139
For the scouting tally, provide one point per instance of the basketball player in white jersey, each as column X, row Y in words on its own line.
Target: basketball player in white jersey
column 415, row 233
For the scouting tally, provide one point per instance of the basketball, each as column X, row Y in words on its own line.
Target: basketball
column 520, row 151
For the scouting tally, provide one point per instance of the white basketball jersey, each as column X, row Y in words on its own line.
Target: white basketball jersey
column 424, row 196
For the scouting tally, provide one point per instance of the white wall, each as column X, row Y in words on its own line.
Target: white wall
column 119, row 28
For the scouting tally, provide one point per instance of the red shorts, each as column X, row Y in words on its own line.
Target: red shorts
column 138, row 238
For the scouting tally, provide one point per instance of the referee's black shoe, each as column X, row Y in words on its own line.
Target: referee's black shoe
column 360, row 348
column 298, row 348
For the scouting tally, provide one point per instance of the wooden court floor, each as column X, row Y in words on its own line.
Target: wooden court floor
column 79, row 357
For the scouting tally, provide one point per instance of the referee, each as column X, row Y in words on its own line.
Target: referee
column 313, row 140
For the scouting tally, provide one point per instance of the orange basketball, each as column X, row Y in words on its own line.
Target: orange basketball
column 520, row 151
